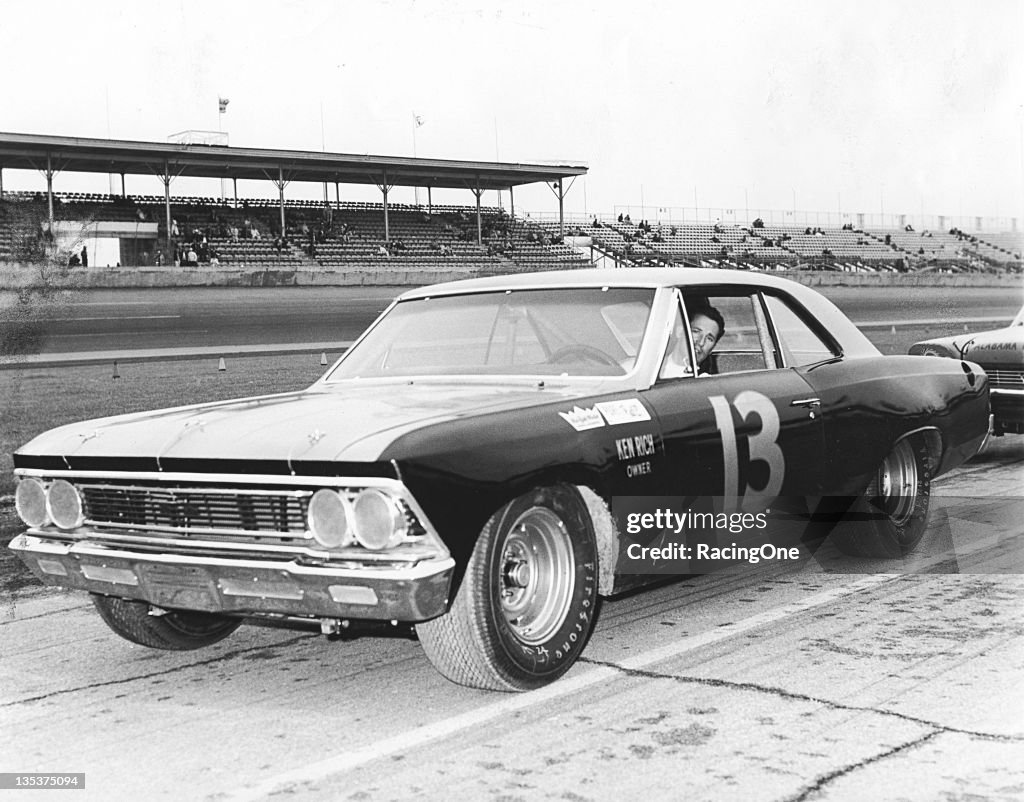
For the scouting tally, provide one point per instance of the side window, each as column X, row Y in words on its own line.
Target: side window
column 743, row 345
column 800, row 344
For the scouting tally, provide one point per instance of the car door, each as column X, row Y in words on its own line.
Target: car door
column 748, row 432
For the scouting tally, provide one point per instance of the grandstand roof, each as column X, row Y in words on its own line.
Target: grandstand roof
column 79, row 154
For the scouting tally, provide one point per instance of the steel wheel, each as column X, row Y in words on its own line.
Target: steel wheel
column 896, row 484
column 890, row 518
column 536, row 575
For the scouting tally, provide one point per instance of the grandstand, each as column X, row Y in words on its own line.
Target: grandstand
column 336, row 237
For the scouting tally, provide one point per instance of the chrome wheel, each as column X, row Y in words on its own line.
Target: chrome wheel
column 537, row 576
column 897, row 483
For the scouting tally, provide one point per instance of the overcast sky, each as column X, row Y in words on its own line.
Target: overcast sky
column 860, row 106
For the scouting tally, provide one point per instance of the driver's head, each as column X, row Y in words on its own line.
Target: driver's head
column 706, row 327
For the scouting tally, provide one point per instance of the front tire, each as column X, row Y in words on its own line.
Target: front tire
column 890, row 517
column 175, row 630
column 527, row 602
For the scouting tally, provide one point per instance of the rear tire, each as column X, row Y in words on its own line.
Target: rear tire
column 175, row 630
column 526, row 605
column 889, row 519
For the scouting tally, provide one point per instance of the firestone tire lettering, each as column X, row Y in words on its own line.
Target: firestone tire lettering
column 526, row 605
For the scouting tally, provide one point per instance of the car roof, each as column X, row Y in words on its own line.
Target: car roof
column 852, row 341
column 603, row 277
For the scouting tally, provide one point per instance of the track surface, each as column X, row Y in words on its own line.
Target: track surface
column 103, row 319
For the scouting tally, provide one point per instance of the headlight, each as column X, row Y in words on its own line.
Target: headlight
column 30, row 502
column 64, row 504
column 379, row 520
column 329, row 519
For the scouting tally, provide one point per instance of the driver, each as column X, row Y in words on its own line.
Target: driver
column 706, row 328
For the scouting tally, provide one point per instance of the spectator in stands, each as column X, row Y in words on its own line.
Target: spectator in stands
column 85, row 257
column 620, row 217
column 191, row 257
column 174, row 228
column 382, row 250
column 255, row 233
column 73, row 260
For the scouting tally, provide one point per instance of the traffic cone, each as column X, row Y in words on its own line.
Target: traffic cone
column 221, row 365
column 323, row 358
column 116, row 374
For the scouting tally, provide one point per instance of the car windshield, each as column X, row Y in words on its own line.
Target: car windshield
column 573, row 331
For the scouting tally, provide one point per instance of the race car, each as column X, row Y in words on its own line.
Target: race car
column 1001, row 353
column 489, row 459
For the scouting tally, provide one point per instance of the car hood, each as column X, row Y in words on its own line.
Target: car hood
column 1000, row 348
column 996, row 348
column 350, row 421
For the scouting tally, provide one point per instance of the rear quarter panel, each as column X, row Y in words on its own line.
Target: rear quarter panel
column 869, row 403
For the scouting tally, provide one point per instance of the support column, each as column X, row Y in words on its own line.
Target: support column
column 430, row 203
column 1, row 182
column 49, row 189
column 560, row 193
column 280, row 182
column 280, row 191
column 512, row 205
column 234, row 182
column 384, row 188
column 337, row 195
column 166, row 180
column 479, row 224
column 123, row 193
column 165, row 176
column 561, row 210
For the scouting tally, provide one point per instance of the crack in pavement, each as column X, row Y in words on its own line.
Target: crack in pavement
column 211, row 661
column 820, row 783
column 802, row 697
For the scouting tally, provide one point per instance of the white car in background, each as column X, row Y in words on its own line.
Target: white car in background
column 1001, row 353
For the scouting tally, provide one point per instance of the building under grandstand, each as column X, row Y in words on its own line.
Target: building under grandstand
column 327, row 241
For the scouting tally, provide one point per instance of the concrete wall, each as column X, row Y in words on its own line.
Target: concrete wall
column 17, row 276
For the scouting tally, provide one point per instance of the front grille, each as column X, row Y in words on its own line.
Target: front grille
column 1005, row 379
column 195, row 510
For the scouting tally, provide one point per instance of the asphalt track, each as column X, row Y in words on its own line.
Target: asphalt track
column 109, row 322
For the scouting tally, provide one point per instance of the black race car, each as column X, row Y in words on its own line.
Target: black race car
column 474, row 465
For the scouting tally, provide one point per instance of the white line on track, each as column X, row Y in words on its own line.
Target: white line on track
column 404, row 741
column 77, row 319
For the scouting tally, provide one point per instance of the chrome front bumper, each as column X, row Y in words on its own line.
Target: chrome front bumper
column 242, row 586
